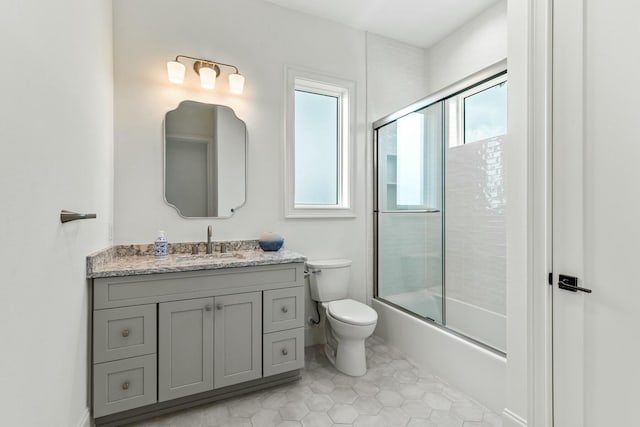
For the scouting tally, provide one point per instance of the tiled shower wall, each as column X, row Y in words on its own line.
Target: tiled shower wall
column 410, row 253
column 475, row 254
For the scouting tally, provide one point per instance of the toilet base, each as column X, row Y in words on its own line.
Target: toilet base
column 351, row 358
column 347, row 355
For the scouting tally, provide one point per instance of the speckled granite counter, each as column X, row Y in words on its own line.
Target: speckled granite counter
column 132, row 260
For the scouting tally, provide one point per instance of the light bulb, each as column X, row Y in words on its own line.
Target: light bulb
column 207, row 77
column 175, row 72
column 236, row 83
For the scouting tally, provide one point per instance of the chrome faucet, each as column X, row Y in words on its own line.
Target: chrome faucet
column 209, row 245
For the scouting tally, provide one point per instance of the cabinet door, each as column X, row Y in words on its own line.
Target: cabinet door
column 185, row 348
column 238, row 338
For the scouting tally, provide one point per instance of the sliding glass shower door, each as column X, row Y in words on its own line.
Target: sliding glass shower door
column 409, row 212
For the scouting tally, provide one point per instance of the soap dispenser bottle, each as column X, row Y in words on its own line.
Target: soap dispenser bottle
column 161, row 245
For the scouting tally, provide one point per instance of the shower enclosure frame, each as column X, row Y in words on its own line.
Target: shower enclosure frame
column 491, row 72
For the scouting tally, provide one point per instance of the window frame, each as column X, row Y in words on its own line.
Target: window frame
column 344, row 91
column 459, row 106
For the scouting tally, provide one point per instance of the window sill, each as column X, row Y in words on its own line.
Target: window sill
column 320, row 213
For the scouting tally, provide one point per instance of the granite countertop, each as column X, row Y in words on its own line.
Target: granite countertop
column 132, row 260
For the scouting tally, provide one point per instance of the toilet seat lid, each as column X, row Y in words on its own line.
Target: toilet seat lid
column 352, row 312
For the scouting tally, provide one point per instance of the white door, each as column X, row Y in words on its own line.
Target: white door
column 596, row 212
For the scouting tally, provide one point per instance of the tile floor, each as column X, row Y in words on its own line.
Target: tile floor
column 394, row 392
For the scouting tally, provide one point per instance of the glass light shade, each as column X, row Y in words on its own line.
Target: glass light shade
column 207, row 78
column 236, row 83
column 175, row 71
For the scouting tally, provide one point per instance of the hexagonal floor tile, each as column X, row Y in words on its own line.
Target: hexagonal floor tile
column 343, row 414
column 238, row 422
column 290, row 424
column 319, row 402
column 400, row 364
column 343, row 380
column 245, row 408
column 445, row 419
column 393, row 416
column 322, row 385
column 411, row 391
column 421, row 422
column 317, row 419
column 343, row 395
column 389, row 398
column 293, row 411
column 298, row 392
column 266, row 418
column 432, row 386
column 366, row 388
column 437, row 401
column 405, row 377
column 394, row 391
column 467, row 411
column 274, row 401
column 367, row 405
column 369, row 421
column 215, row 415
column 416, row 409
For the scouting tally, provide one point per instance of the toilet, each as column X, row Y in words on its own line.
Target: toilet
column 348, row 322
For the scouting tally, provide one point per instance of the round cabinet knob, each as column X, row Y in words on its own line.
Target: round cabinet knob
column 125, row 385
column 285, row 351
column 125, row 332
column 207, row 307
column 219, row 306
column 284, row 309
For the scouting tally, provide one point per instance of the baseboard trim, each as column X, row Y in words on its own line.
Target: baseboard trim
column 511, row 419
column 85, row 419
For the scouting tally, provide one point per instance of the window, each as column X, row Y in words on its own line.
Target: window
column 479, row 113
column 316, row 149
column 318, row 140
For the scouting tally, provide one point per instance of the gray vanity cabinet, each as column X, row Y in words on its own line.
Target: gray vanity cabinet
column 185, row 348
column 238, row 338
column 177, row 339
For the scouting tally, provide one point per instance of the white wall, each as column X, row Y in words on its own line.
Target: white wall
column 55, row 153
column 475, row 250
column 260, row 38
column 476, row 45
column 475, row 224
column 395, row 75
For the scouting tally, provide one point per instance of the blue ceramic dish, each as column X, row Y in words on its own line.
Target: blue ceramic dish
column 271, row 245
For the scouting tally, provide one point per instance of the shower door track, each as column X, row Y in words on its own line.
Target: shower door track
column 443, row 328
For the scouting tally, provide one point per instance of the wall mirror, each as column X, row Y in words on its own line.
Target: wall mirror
column 205, row 160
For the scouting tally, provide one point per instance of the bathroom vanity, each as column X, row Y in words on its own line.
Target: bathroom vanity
column 191, row 329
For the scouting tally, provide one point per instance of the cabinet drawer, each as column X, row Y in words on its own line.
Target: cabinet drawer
column 124, row 384
column 119, row 333
column 283, row 351
column 283, row 309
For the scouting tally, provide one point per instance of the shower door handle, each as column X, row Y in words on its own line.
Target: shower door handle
column 570, row 283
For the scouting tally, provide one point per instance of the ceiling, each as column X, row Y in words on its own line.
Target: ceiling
column 416, row 22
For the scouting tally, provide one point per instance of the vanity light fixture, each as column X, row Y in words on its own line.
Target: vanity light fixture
column 208, row 72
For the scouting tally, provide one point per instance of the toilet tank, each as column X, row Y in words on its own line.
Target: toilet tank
column 329, row 279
